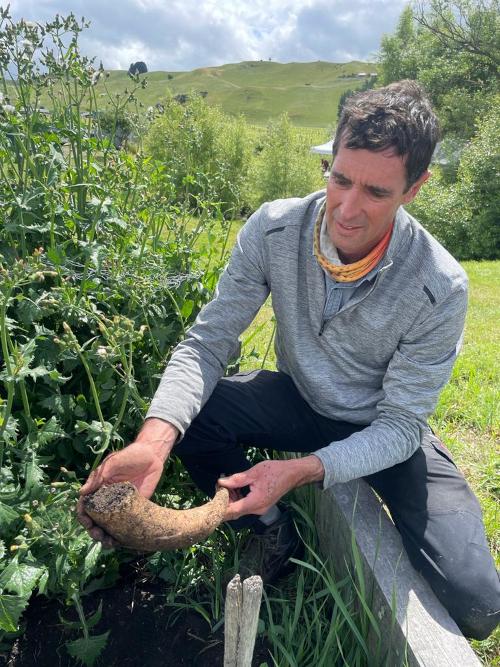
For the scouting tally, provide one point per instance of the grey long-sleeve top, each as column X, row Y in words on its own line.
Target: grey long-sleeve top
column 380, row 361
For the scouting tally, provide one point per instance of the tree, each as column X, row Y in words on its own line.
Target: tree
column 463, row 25
column 397, row 59
column 452, row 48
column 465, row 215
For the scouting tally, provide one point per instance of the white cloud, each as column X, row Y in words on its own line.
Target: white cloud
column 184, row 34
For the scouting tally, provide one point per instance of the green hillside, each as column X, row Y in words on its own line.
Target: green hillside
column 261, row 90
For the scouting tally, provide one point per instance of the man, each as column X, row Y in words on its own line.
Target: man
column 370, row 312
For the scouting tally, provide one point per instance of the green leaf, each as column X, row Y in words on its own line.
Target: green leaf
column 35, row 373
column 7, row 516
column 55, row 376
column 87, row 650
column 43, row 581
column 56, row 256
column 91, row 559
column 20, row 578
column 33, row 473
column 25, row 354
column 28, row 311
column 187, row 308
column 11, row 608
column 50, row 431
column 10, row 432
column 62, row 405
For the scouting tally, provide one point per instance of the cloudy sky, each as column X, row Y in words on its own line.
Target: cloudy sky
column 184, row 34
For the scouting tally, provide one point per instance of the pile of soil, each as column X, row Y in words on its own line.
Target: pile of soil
column 142, row 633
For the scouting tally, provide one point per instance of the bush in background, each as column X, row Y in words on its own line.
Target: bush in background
column 465, row 215
column 204, row 153
column 283, row 165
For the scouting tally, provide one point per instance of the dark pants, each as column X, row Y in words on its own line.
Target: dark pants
column 435, row 511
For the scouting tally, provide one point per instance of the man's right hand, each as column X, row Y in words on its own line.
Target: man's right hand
column 140, row 463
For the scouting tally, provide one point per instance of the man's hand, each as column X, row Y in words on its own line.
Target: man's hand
column 140, row 463
column 268, row 482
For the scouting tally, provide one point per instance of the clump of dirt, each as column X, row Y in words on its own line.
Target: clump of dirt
column 137, row 523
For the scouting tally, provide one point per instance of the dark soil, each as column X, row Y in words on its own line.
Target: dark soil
column 108, row 498
column 142, row 631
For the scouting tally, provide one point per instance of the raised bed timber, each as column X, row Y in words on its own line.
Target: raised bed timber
column 422, row 629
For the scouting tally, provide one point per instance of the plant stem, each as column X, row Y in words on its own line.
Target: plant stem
column 10, row 384
column 93, row 388
column 81, row 614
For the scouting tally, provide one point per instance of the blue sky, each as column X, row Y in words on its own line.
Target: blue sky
column 185, row 34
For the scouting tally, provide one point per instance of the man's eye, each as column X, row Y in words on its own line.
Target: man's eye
column 377, row 194
column 342, row 182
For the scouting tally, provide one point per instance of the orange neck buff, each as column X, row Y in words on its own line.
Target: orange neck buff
column 348, row 273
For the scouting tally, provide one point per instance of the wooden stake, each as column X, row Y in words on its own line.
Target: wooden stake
column 241, row 620
column 232, row 614
column 249, row 620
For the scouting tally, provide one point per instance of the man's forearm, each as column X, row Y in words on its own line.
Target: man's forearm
column 159, row 434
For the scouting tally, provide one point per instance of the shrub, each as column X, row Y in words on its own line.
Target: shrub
column 441, row 209
column 464, row 215
column 204, row 152
column 479, row 175
column 283, row 167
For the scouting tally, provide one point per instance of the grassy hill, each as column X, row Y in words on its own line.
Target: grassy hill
column 261, row 90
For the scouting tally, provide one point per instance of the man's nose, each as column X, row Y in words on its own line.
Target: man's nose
column 351, row 204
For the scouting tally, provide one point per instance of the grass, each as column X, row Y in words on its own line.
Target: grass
column 467, row 416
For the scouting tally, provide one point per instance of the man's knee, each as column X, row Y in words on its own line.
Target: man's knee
column 473, row 601
column 477, row 618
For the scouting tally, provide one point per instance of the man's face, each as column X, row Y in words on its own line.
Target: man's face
column 364, row 191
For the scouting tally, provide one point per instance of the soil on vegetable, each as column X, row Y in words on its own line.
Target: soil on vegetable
column 140, row 524
column 108, row 498
column 143, row 632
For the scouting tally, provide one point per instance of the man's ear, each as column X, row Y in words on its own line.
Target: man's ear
column 412, row 191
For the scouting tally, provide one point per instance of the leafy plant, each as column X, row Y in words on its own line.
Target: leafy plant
column 99, row 280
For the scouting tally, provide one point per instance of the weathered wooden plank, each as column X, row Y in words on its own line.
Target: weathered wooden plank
column 423, row 629
column 249, row 620
column 232, row 615
column 241, row 619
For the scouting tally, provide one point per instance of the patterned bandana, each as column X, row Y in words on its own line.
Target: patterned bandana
column 348, row 273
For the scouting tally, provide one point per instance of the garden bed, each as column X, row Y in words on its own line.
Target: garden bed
column 144, row 630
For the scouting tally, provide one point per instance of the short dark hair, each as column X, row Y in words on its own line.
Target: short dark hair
column 398, row 117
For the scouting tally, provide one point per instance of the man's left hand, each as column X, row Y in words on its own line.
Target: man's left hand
column 268, row 482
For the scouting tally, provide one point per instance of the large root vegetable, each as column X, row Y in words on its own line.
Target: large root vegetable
column 136, row 522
